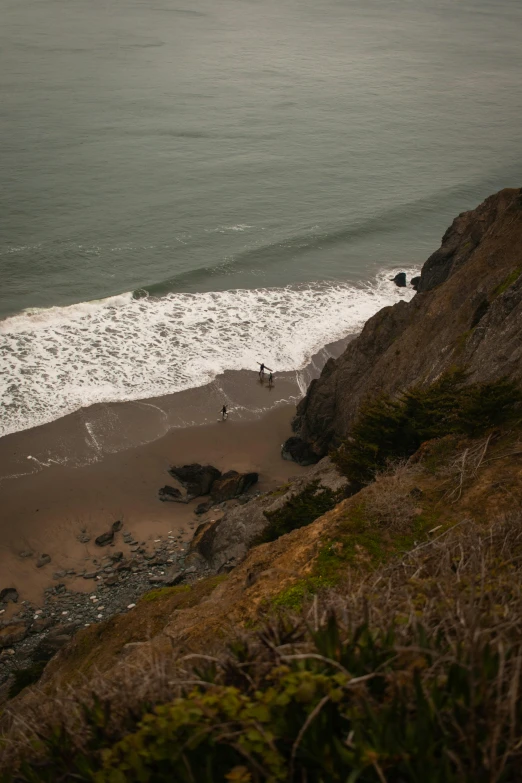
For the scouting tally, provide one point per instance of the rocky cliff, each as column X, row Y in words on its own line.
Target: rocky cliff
column 467, row 313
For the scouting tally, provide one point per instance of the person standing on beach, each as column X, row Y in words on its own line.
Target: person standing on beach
column 261, row 371
column 224, row 414
column 270, row 380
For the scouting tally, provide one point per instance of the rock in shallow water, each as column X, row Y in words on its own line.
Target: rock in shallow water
column 400, row 279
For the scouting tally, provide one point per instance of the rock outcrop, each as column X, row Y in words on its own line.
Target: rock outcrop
column 225, row 543
column 231, row 485
column 193, row 480
column 467, row 312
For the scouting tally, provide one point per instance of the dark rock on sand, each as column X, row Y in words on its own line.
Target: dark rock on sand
column 43, row 560
column 54, row 641
column 173, row 577
column 117, row 526
column 172, row 494
column 105, row 539
column 84, row 538
column 400, row 279
column 232, row 484
column 202, row 508
column 9, row 594
column 12, row 633
column 195, row 479
column 297, row 450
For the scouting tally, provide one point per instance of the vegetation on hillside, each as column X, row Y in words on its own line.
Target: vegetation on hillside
column 389, row 429
column 415, row 676
column 395, row 656
column 300, row 510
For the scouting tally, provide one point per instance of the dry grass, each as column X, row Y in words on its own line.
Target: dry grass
column 388, row 501
column 464, row 588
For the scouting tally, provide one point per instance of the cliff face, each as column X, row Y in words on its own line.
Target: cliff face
column 467, row 313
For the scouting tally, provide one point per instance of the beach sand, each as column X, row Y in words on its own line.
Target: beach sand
column 45, row 510
column 107, row 462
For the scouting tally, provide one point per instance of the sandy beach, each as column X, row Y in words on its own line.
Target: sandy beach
column 107, row 462
column 46, row 508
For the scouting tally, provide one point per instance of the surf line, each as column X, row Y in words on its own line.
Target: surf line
column 47, row 464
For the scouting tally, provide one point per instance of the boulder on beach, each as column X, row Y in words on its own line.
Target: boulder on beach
column 295, row 449
column 9, row 594
column 43, row 560
column 232, row 484
column 172, row 494
column 195, row 480
column 105, row 539
column 414, row 282
column 202, row 508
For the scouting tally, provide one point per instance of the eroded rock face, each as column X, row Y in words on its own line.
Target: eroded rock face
column 226, row 542
column 460, row 316
column 194, row 480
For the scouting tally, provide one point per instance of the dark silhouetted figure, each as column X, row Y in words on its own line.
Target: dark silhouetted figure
column 270, row 380
column 224, row 414
column 261, row 370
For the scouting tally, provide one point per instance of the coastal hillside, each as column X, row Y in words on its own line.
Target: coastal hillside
column 467, row 313
column 362, row 622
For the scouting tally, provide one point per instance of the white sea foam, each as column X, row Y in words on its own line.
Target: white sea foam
column 57, row 360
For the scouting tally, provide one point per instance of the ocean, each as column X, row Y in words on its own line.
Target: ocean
column 189, row 188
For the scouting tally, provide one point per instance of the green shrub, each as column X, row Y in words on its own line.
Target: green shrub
column 387, row 429
column 355, row 708
column 300, row 510
column 165, row 592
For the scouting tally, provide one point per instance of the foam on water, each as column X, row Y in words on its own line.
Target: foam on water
column 57, row 360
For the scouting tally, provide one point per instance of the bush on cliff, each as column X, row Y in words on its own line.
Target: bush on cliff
column 388, row 429
column 302, row 509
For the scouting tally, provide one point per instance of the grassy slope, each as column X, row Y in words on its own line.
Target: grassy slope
column 348, row 551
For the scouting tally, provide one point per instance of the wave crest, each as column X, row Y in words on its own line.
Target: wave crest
column 57, row 360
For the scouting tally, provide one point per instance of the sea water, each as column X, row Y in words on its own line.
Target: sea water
column 188, row 188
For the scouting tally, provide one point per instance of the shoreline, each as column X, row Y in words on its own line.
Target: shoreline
column 91, row 434
column 107, row 462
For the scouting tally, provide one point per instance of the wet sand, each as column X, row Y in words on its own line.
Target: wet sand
column 107, row 462
column 47, row 510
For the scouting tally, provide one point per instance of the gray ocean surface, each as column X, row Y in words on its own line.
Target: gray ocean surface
column 253, row 168
column 205, row 145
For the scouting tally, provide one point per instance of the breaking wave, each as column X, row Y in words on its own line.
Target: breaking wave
column 57, row 360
